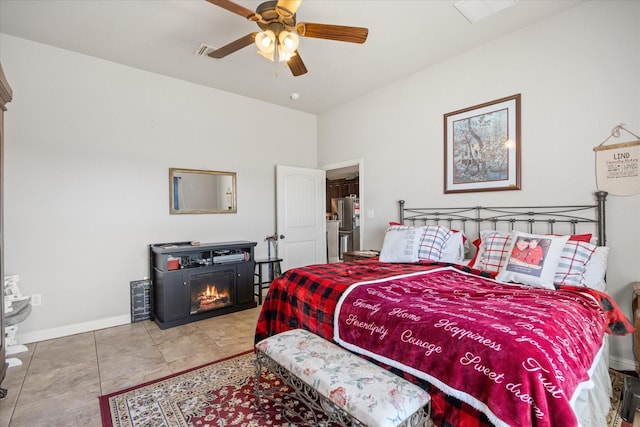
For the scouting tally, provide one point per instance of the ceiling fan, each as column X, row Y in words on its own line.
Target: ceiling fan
column 278, row 40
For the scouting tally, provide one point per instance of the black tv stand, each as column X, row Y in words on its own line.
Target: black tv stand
column 197, row 281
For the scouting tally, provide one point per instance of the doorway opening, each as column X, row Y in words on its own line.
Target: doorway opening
column 344, row 234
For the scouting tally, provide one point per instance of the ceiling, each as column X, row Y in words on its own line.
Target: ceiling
column 161, row 36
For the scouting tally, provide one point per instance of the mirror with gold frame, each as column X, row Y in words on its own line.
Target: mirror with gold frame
column 194, row 191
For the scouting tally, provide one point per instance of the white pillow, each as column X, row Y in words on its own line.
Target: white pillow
column 453, row 249
column 596, row 269
column 432, row 239
column 532, row 265
column 401, row 244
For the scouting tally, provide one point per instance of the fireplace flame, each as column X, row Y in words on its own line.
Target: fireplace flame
column 211, row 293
column 210, row 298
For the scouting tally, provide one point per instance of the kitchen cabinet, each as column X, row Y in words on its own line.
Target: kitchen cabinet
column 342, row 187
column 350, row 187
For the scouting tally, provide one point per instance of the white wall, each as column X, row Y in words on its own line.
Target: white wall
column 578, row 74
column 88, row 147
column 89, row 144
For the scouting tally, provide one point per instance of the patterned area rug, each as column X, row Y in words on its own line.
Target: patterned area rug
column 614, row 418
column 221, row 394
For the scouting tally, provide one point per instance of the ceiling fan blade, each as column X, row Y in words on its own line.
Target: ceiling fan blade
column 296, row 65
column 237, row 9
column 332, row 32
column 233, row 46
column 287, row 8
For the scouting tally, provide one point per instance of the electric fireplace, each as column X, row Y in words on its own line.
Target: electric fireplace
column 209, row 280
column 211, row 291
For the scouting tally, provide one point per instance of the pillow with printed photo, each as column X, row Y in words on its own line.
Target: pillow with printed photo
column 532, row 259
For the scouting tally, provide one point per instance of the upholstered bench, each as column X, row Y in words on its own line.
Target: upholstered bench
column 348, row 389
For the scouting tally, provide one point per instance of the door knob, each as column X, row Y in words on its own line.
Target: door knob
column 282, row 236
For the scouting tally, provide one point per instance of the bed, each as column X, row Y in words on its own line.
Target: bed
column 496, row 338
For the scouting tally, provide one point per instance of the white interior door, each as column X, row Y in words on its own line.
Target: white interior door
column 300, row 212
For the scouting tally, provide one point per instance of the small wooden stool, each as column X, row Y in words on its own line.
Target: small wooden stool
column 274, row 270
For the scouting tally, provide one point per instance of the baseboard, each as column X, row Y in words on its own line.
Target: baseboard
column 621, row 364
column 77, row 328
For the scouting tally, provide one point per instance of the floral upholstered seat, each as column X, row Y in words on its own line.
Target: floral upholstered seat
column 369, row 393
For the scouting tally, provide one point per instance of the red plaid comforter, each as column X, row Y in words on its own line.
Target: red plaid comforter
column 307, row 297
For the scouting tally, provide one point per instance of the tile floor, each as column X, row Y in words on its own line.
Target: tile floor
column 60, row 380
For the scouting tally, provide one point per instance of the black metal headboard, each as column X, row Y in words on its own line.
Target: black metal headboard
column 530, row 219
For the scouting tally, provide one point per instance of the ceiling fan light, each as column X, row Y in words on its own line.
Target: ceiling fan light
column 285, row 54
column 289, row 40
column 266, row 41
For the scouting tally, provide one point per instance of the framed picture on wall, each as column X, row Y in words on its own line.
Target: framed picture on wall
column 482, row 147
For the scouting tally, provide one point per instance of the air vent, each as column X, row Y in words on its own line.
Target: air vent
column 477, row 10
column 204, row 49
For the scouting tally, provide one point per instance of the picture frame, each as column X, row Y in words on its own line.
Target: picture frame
column 482, row 147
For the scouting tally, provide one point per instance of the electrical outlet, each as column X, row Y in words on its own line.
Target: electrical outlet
column 36, row 300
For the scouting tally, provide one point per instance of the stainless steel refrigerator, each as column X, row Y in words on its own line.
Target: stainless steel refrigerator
column 347, row 211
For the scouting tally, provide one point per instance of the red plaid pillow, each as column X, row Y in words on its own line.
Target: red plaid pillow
column 493, row 251
column 432, row 242
column 573, row 263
